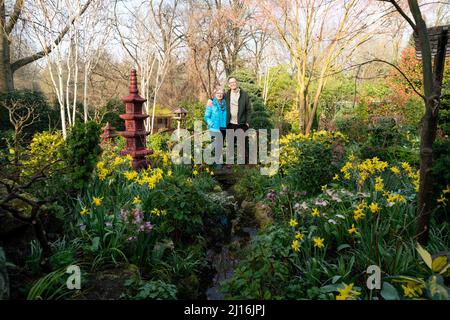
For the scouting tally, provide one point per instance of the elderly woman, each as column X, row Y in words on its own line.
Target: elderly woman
column 216, row 119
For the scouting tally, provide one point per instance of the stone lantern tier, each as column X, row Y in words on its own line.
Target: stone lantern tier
column 135, row 133
column 108, row 134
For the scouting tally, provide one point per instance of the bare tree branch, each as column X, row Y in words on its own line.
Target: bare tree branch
column 26, row 60
column 14, row 16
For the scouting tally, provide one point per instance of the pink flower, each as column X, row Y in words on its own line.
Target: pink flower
column 148, row 226
column 138, row 215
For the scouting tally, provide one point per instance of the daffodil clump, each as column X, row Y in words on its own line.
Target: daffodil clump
column 199, row 169
column 365, row 198
column 370, row 171
column 160, row 158
column 111, row 163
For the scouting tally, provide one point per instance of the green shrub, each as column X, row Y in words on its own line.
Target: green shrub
column 113, row 109
column 308, row 162
column 173, row 212
column 391, row 142
column 265, row 271
column 81, row 152
column 159, row 142
column 150, row 290
column 352, row 127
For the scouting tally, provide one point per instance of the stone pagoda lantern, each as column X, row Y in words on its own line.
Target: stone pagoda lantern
column 135, row 133
column 108, row 134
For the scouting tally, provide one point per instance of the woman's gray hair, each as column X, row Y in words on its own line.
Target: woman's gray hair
column 219, row 89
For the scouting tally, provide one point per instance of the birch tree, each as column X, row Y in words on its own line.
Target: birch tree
column 93, row 37
column 149, row 38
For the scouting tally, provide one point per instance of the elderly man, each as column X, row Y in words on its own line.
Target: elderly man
column 239, row 109
column 239, row 106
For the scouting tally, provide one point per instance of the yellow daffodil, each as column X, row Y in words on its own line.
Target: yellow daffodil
column 412, row 289
column 130, row 175
column 117, row 161
column 299, row 236
column 347, row 167
column 295, row 246
column 195, row 172
column 84, row 211
column 158, row 213
column 318, row 242
column 446, row 190
column 315, row 212
column 102, row 174
column 352, row 230
column 347, row 293
column 441, row 199
column 97, row 201
column 137, row 200
column 406, row 167
column 102, row 171
column 293, row 223
column 336, row 177
column 379, row 184
column 169, row 173
column 374, row 207
column 358, row 214
column 395, row 170
column 394, row 197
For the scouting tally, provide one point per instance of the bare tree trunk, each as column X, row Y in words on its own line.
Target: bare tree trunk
column 85, row 91
column 75, row 79
column 6, row 74
column 155, row 95
column 432, row 84
column 427, row 201
column 6, row 71
column 7, row 68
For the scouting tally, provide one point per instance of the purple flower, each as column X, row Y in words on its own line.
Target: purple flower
column 271, row 195
column 108, row 224
column 133, row 238
column 138, row 216
column 148, row 226
column 82, row 226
